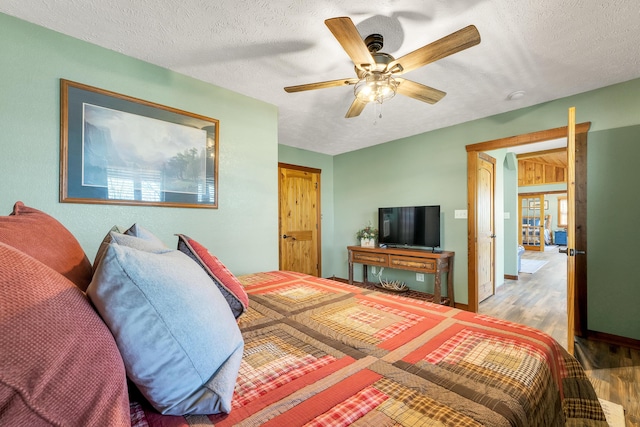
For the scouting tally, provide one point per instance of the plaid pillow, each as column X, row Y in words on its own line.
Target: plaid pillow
column 229, row 285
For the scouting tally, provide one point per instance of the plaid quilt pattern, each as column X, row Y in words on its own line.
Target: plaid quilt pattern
column 293, row 296
column 502, row 355
column 352, row 409
column 364, row 321
column 265, row 278
column 323, row 353
column 406, row 406
column 271, row 360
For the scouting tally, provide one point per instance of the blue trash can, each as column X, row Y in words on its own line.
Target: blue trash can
column 520, row 252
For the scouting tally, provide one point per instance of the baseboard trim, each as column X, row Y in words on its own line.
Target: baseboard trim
column 613, row 339
column 461, row 306
column 510, row 277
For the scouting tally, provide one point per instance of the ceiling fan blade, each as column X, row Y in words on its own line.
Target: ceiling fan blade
column 419, row 91
column 448, row 45
column 348, row 36
column 321, row 85
column 356, row 108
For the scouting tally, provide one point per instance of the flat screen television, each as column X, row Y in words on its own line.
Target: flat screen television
column 409, row 226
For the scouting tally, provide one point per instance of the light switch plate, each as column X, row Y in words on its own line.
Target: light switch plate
column 507, row 215
column 460, row 214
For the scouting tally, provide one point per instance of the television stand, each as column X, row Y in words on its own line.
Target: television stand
column 406, row 259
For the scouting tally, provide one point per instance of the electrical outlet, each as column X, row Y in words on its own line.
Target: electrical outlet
column 420, row 277
column 374, row 270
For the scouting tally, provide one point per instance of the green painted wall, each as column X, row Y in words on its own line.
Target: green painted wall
column 431, row 168
column 613, row 233
column 242, row 232
column 296, row 156
column 511, row 229
column 422, row 170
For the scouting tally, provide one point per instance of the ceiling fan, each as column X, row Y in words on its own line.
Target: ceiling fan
column 377, row 72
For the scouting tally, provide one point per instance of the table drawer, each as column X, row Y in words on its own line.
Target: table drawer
column 410, row 263
column 371, row 258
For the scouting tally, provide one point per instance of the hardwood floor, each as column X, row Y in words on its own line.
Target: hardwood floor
column 539, row 300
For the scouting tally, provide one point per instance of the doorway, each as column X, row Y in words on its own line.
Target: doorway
column 579, row 307
column 542, row 219
column 299, row 219
column 537, row 299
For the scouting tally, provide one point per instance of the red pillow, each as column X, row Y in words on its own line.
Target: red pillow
column 229, row 285
column 47, row 240
column 60, row 363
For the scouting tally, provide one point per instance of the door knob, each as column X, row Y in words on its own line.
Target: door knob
column 571, row 252
column 284, row 236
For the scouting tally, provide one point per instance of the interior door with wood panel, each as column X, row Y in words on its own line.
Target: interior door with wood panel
column 299, row 219
column 485, row 225
column 571, row 227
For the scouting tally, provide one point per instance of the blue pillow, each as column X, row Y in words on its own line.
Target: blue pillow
column 178, row 338
column 139, row 231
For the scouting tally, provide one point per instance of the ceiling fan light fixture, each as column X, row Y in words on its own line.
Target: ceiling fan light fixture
column 375, row 87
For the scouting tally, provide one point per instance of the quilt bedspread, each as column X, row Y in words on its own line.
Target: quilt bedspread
column 323, row 353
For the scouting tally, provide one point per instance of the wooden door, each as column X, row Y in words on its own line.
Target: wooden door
column 571, row 226
column 485, row 225
column 532, row 222
column 299, row 219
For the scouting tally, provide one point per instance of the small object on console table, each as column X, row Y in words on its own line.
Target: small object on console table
column 422, row 261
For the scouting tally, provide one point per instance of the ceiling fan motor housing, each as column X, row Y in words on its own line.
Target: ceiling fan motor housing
column 381, row 59
column 374, row 42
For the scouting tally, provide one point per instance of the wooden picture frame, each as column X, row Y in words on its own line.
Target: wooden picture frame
column 116, row 149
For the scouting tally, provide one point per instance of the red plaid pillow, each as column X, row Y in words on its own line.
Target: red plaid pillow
column 229, row 285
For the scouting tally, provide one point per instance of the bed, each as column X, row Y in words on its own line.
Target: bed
column 320, row 352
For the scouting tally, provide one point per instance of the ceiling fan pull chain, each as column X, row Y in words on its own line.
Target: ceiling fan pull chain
column 377, row 112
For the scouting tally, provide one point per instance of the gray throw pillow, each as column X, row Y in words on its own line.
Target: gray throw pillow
column 178, row 338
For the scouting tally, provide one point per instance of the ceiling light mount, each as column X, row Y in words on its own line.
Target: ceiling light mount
column 374, row 42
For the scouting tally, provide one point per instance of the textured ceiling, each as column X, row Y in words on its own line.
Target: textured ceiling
column 547, row 48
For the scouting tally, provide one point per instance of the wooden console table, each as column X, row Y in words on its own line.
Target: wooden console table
column 421, row 261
